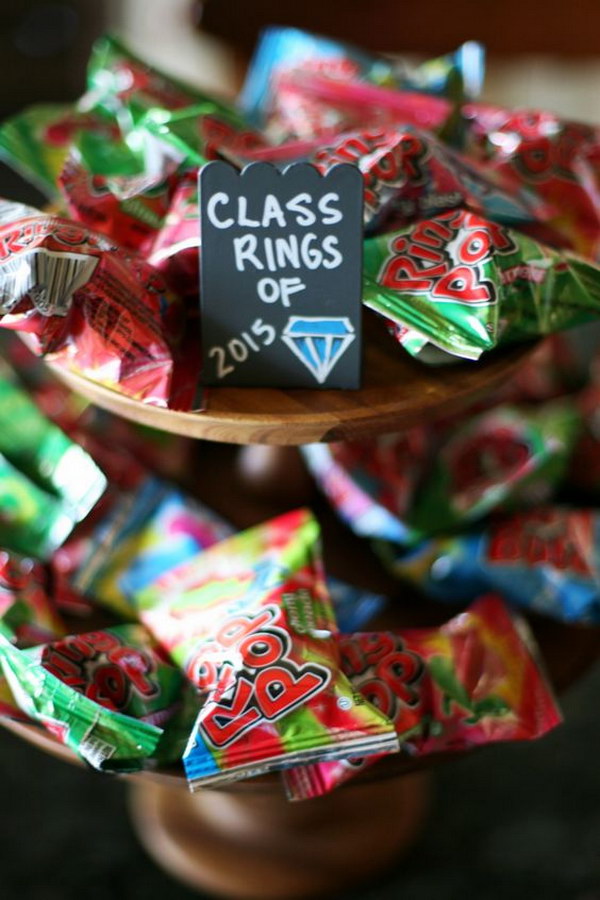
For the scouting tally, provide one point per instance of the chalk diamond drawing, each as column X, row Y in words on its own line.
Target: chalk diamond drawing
column 318, row 342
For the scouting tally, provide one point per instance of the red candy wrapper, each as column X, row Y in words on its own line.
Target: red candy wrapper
column 176, row 246
column 473, row 681
column 129, row 209
column 251, row 623
column 410, row 175
column 284, row 51
column 439, row 478
column 372, row 483
column 312, row 105
column 88, row 305
column 28, row 609
column 33, row 598
column 557, row 158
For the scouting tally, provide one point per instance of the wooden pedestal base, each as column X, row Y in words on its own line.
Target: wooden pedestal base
column 255, row 844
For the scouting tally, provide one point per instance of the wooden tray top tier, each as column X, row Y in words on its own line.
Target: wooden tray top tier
column 397, row 392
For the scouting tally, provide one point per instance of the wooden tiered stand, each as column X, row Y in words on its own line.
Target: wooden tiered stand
column 248, row 841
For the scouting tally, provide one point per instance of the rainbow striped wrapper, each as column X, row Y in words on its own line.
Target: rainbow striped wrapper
column 147, row 532
column 251, row 623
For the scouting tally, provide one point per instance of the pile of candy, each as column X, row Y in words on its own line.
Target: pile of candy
column 496, row 498
column 234, row 652
column 482, row 225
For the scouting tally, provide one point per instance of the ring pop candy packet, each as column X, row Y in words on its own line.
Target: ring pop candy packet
column 48, row 483
column 251, row 624
column 503, row 458
column 473, row 681
column 36, row 141
column 108, row 695
column 32, row 521
column 544, row 560
column 175, row 251
column 288, row 49
column 283, row 52
column 119, row 82
column 131, row 207
column 151, row 530
column 398, row 489
column 410, row 175
column 130, row 210
column 372, row 483
column 101, row 126
column 198, row 134
column 462, row 285
column 88, row 304
column 32, row 600
column 311, row 105
column 160, row 118
column 557, row 158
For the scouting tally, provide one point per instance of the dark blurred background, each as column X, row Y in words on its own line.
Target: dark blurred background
column 509, row 822
column 44, row 49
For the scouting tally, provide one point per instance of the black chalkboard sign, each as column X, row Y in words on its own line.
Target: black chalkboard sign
column 280, row 272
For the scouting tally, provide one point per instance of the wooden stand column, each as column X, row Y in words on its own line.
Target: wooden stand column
column 253, row 843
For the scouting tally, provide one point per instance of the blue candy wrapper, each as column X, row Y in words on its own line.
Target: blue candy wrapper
column 457, row 76
column 545, row 560
column 292, row 48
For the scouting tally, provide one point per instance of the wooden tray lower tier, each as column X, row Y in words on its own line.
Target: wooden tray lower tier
column 567, row 652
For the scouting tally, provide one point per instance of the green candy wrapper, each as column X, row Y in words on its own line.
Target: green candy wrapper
column 464, row 285
column 107, row 695
column 101, row 126
column 47, row 482
column 36, row 141
column 45, row 454
column 196, row 134
column 31, row 520
column 120, row 82
column 502, row 459
column 147, row 105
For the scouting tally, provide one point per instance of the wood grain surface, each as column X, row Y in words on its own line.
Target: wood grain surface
column 397, row 392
